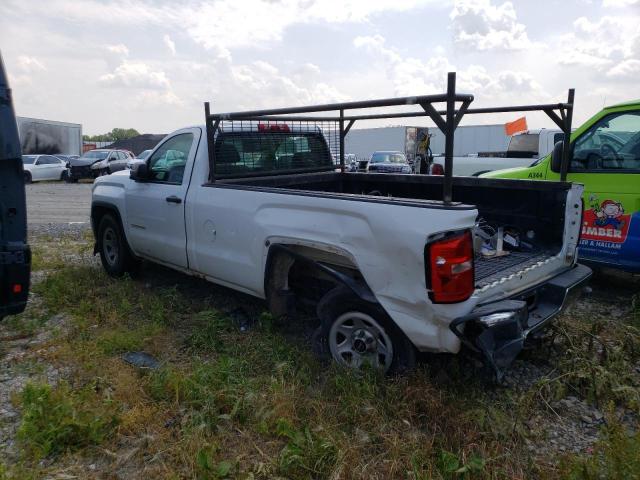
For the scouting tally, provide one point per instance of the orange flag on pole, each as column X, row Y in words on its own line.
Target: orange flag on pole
column 519, row 125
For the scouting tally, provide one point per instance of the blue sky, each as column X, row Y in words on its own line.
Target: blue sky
column 151, row 64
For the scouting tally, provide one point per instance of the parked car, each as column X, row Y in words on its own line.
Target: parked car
column 388, row 260
column 15, row 254
column 605, row 158
column 44, row 167
column 114, row 161
column 388, row 162
column 95, row 163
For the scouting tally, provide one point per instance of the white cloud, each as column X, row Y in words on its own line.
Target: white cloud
column 157, row 99
column 28, row 64
column 610, row 45
column 483, row 26
column 626, row 69
column 136, row 75
column 411, row 76
column 120, row 50
column 620, row 3
column 222, row 24
column 170, row 44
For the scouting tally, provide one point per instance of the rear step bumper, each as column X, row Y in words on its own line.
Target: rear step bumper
column 498, row 330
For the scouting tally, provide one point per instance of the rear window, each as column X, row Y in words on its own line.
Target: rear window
column 28, row 159
column 264, row 153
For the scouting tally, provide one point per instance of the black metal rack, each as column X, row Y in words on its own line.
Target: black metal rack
column 447, row 120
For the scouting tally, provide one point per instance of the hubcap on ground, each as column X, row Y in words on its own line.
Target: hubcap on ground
column 110, row 246
column 355, row 339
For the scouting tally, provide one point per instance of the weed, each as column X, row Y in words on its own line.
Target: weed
column 306, row 454
column 122, row 339
column 615, row 457
column 208, row 468
column 58, row 419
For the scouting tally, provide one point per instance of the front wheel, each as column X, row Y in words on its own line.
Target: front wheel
column 358, row 333
column 115, row 255
column 64, row 176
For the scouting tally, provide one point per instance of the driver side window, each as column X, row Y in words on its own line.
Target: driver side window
column 167, row 163
column 611, row 145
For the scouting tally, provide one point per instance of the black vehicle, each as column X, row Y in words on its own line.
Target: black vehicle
column 15, row 254
column 388, row 162
column 95, row 163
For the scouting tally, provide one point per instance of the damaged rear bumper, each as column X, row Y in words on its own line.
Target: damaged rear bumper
column 498, row 330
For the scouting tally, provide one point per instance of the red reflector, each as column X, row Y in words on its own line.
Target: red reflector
column 16, row 288
column 275, row 127
column 437, row 169
column 451, row 269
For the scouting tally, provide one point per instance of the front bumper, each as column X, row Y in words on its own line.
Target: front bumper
column 499, row 330
column 77, row 173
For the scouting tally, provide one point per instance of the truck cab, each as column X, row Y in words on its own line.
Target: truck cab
column 605, row 158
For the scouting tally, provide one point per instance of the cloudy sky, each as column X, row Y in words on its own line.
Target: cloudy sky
column 151, row 64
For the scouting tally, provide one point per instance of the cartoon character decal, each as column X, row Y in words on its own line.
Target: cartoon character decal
column 609, row 214
column 605, row 221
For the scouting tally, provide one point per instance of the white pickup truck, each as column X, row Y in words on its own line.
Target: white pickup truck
column 524, row 149
column 262, row 209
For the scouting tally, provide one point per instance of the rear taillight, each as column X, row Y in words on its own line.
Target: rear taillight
column 436, row 169
column 449, row 268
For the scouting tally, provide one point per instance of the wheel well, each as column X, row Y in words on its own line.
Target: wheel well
column 98, row 211
column 298, row 276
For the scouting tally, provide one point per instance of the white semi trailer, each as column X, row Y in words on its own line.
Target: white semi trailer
column 49, row 137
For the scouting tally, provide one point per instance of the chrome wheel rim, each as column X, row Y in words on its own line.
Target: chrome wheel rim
column 110, row 246
column 356, row 339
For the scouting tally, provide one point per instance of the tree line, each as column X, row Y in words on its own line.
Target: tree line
column 112, row 136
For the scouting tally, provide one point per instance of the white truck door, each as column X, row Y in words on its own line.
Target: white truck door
column 155, row 207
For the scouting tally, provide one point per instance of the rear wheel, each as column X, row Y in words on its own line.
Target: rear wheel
column 115, row 255
column 358, row 333
column 27, row 177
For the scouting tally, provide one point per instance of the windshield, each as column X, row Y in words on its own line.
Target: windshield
column 525, row 143
column 144, row 155
column 388, row 157
column 28, row 159
column 96, row 154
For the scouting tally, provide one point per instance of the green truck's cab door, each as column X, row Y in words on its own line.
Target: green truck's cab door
column 605, row 158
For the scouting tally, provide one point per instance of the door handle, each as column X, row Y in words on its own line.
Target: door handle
column 173, row 199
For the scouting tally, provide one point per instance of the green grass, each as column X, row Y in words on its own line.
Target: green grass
column 258, row 404
column 61, row 419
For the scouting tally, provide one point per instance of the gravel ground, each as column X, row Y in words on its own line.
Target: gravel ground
column 58, row 203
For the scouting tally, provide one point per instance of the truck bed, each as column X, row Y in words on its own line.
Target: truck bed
column 537, row 207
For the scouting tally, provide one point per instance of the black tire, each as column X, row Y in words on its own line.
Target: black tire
column 341, row 303
column 27, row 177
column 115, row 255
column 64, row 176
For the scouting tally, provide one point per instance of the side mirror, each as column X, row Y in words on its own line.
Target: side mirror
column 556, row 156
column 139, row 172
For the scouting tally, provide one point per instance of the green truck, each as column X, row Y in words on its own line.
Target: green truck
column 605, row 158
